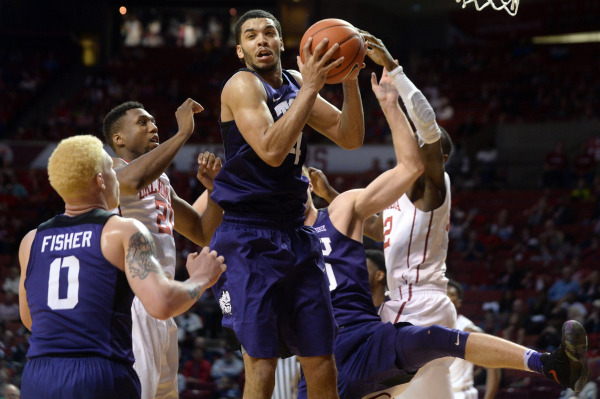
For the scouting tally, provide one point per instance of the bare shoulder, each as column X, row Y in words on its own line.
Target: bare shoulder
column 243, row 82
column 27, row 240
column 118, row 226
column 343, row 203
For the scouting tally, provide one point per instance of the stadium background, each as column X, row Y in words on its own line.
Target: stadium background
column 524, row 118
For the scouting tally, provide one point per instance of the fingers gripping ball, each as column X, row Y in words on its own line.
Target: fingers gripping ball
column 352, row 46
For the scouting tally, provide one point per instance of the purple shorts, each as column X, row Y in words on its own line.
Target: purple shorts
column 48, row 377
column 274, row 294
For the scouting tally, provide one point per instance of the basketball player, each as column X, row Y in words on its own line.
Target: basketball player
column 461, row 371
column 414, row 231
column 275, row 295
column 147, row 195
column 372, row 356
column 79, row 272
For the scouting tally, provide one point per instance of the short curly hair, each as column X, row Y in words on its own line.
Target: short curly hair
column 74, row 163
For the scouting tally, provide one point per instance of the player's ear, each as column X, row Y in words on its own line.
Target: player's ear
column 99, row 180
column 281, row 42
column 379, row 275
column 240, row 53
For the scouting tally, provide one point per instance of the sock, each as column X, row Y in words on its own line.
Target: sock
column 532, row 361
column 416, row 346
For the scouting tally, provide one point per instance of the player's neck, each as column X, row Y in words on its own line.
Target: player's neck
column 126, row 155
column 79, row 209
column 379, row 296
column 273, row 77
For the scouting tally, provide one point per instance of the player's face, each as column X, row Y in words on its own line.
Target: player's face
column 139, row 132
column 260, row 45
column 110, row 180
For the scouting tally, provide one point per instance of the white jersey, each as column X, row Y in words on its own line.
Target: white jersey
column 461, row 370
column 152, row 207
column 287, row 376
column 415, row 246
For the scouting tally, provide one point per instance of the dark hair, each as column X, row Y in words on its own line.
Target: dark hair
column 111, row 120
column 446, row 142
column 457, row 286
column 376, row 256
column 251, row 15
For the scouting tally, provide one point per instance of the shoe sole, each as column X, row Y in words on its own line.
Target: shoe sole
column 575, row 342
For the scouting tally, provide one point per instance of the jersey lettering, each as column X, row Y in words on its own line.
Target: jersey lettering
column 283, row 106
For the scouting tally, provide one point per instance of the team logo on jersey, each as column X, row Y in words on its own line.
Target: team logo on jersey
column 225, row 303
column 320, row 229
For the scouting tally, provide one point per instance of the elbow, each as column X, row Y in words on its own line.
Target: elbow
column 354, row 143
column 273, row 158
column 159, row 311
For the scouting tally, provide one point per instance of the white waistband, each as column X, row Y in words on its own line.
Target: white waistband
column 403, row 293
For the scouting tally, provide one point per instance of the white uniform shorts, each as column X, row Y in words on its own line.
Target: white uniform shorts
column 155, row 349
column 423, row 308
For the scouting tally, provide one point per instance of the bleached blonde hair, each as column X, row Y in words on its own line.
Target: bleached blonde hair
column 74, row 163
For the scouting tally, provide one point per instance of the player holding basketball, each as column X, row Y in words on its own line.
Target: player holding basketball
column 374, row 356
column 78, row 271
column 276, row 294
column 147, row 195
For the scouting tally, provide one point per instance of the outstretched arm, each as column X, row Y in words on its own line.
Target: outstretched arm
column 140, row 172
column 320, row 185
column 422, row 115
column 128, row 244
column 198, row 222
column 390, row 185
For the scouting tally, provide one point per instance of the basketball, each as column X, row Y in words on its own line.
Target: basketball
column 352, row 46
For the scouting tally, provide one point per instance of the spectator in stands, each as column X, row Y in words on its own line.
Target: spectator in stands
column 592, row 322
column 197, row 371
column 589, row 391
column 10, row 391
column 512, row 276
column 9, row 309
column 474, row 249
column 556, row 166
column 229, row 366
column 487, row 164
column 11, row 283
column 563, row 286
column 590, row 285
column 189, row 323
column 581, row 191
column 501, row 228
column 228, row 389
column 133, row 31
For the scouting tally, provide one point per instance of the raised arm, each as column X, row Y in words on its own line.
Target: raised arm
column 24, row 251
column 243, row 99
column 321, row 186
column 199, row 221
column 145, row 169
column 346, row 128
column 422, row 115
column 127, row 244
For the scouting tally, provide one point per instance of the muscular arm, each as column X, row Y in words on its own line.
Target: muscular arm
column 244, row 99
column 197, row 227
column 24, row 251
column 127, row 244
column 373, row 227
column 390, row 185
column 346, row 128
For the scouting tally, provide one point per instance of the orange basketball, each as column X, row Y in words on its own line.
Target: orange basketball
column 352, row 46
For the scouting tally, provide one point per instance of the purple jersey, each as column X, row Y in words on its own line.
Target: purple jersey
column 79, row 302
column 246, row 183
column 346, row 266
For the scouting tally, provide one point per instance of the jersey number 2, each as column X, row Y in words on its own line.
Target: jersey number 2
column 72, row 264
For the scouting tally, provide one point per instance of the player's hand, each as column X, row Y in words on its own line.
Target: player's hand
column 377, row 51
column 320, row 184
column 384, row 90
column 208, row 167
column 316, row 66
column 206, row 265
column 185, row 115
